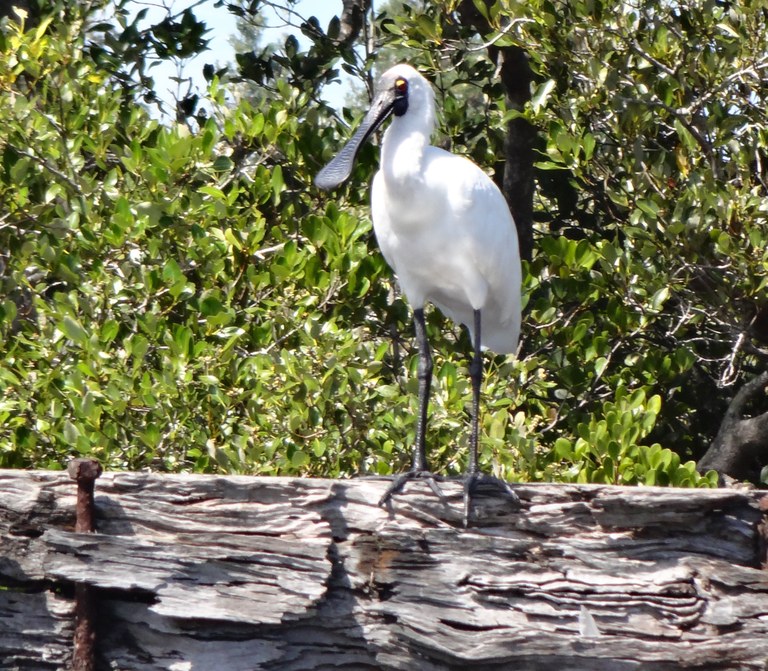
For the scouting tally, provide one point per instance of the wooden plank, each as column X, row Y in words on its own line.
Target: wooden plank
column 206, row 572
column 36, row 629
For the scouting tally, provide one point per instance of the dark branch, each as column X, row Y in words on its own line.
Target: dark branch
column 740, row 448
column 352, row 18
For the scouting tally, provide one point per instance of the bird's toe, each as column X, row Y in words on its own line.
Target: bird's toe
column 414, row 474
column 475, row 483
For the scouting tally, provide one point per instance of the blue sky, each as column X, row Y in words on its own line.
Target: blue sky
column 222, row 25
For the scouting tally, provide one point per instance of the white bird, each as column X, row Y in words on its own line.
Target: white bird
column 447, row 232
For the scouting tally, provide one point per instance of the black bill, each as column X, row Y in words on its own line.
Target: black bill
column 340, row 168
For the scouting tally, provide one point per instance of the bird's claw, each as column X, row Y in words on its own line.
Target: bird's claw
column 414, row 474
column 472, row 481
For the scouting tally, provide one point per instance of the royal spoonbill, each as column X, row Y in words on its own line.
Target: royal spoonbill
column 447, row 232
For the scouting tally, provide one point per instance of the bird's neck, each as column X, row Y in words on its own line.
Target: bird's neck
column 402, row 151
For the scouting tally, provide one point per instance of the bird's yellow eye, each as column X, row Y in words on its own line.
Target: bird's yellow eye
column 401, row 86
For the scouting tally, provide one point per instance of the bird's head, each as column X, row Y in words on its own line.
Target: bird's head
column 413, row 94
column 401, row 91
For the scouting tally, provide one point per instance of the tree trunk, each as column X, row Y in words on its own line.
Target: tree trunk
column 244, row 574
column 518, row 189
column 740, row 448
column 516, row 77
column 352, row 19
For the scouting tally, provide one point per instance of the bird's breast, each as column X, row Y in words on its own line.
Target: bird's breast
column 429, row 257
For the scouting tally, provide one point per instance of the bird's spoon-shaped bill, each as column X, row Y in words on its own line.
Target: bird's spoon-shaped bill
column 339, row 169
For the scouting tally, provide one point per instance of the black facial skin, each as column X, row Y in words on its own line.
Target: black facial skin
column 400, row 105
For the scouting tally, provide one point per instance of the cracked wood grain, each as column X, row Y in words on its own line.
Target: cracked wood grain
column 237, row 573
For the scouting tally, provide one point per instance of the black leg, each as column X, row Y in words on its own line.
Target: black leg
column 473, row 477
column 425, row 384
column 476, row 377
column 419, row 467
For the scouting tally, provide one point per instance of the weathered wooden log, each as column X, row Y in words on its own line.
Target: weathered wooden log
column 238, row 573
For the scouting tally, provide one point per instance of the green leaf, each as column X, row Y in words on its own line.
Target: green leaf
column 541, row 94
column 277, row 180
column 74, row 331
column 563, row 448
column 223, row 164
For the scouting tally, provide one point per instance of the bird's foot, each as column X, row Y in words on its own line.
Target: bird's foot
column 414, row 474
column 476, row 480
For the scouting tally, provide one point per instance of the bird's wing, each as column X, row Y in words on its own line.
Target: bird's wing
column 483, row 224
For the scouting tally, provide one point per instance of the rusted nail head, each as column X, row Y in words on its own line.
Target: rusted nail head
column 84, row 469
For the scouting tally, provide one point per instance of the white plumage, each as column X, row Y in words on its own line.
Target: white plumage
column 446, row 231
column 444, row 226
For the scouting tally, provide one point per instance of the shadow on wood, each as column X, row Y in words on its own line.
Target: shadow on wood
column 206, row 573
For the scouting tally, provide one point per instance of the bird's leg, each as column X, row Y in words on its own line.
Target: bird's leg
column 425, row 383
column 476, row 377
column 474, row 477
column 419, row 467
